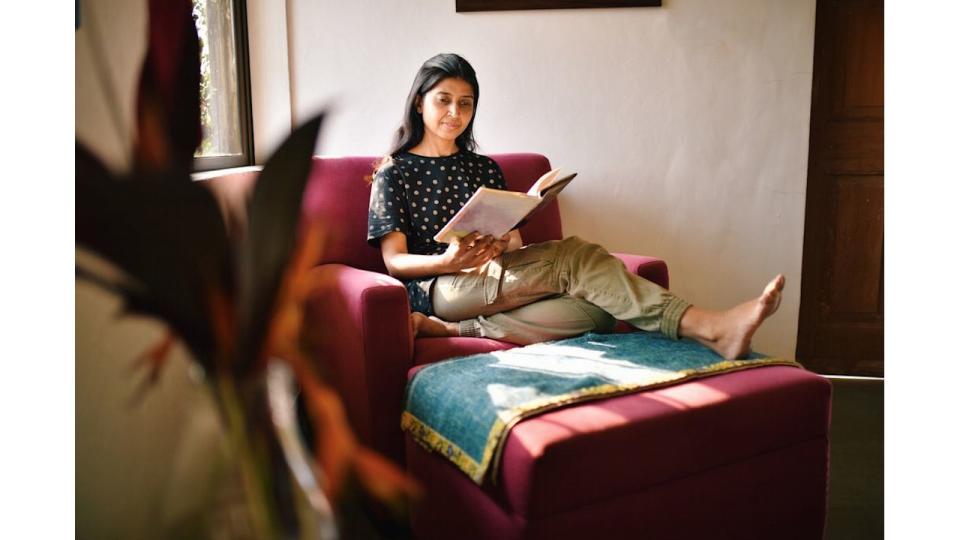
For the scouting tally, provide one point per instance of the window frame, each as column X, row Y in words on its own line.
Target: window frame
column 241, row 46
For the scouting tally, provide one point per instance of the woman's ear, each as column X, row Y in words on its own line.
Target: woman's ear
column 419, row 102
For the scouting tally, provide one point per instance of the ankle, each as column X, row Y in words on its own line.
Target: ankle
column 698, row 324
column 468, row 328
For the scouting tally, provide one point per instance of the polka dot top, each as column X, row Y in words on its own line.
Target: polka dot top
column 417, row 195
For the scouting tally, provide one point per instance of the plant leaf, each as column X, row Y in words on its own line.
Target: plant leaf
column 168, row 97
column 273, row 218
column 167, row 235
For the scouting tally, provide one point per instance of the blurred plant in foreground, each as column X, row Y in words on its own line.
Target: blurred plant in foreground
column 235, row 300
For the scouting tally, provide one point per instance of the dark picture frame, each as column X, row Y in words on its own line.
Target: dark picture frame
column 510, row 5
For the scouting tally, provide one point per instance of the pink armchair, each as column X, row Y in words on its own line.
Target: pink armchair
column 739, row 455
column 363, row 314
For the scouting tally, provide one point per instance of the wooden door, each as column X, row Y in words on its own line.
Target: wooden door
column 841, row 297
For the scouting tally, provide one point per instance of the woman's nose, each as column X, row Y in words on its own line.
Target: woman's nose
column 453, row 110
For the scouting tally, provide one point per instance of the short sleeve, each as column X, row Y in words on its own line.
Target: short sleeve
column 388, row 204
column 496, row 178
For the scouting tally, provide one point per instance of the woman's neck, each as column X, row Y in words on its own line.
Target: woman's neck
column 434, row 148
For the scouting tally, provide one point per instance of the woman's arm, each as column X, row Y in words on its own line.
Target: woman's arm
column 470, row 251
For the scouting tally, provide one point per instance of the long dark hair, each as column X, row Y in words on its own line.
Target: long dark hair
column 434, row 70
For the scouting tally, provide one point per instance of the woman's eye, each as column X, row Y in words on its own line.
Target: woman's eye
column 466, row 104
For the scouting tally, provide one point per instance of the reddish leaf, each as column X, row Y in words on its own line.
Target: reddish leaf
column 167, row 235
column 168, row 99
column 270, row 242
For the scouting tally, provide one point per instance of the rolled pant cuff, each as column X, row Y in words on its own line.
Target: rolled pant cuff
column 470, row 328
column 670, row 321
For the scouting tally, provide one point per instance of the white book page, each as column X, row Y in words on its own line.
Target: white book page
column 544, row 181
column 489, row 211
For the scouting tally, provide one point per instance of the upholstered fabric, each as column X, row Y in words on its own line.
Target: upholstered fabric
column 779, row 494
column 358, row 325
column 653, row 437
column 430, row 350
column 749, row 447
column 649, row 267
column 337, row 197
column 463, row 408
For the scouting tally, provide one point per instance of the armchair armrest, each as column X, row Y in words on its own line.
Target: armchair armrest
column 360, row 331
column 651, row 268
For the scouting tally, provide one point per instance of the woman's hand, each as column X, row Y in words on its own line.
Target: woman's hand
column 502, row 244
column 473, row 250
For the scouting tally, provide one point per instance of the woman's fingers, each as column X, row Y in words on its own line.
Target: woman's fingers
column 491, row 248
column 477, row 244
column 482, row 241
column 483, row 244
column 469, row 239
column 475, row 249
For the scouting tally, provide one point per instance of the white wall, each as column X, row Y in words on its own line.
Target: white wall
column 109, row 45
column 688, row 123
column 269, row 75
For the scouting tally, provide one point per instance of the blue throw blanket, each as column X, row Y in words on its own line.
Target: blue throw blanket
column 463, row 408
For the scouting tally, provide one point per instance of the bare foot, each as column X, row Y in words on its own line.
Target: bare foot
column 424, row 326
column 729, row 332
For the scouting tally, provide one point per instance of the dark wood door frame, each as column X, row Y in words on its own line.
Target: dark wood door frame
column 841, row 298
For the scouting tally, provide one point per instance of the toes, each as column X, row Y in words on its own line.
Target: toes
column 776, row 285
column 771, row 293
column 769, row 301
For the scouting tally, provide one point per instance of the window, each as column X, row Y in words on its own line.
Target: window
column 224, row 85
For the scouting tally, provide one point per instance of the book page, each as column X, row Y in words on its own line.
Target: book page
column 556, row 185
column 489, row 211
column 543, row 182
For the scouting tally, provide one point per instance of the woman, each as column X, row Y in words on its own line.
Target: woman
column 497, row 287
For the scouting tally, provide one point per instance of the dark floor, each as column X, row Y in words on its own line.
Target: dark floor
column 855, row 509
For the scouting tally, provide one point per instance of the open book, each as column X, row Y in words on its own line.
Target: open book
column 496, row 212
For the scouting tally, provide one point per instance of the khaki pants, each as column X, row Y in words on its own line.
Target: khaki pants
column 552, row 290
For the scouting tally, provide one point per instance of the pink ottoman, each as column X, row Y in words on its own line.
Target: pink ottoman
column 739, row 455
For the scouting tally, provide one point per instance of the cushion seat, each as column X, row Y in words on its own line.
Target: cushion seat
column 572, row 456
column 568, row 465
column 430, row 350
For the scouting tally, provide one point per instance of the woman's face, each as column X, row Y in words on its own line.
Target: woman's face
column 447, row 109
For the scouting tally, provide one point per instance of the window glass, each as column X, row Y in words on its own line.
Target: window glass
column 220, row 105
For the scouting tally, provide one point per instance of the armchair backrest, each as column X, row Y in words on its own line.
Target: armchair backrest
column 338, row 194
